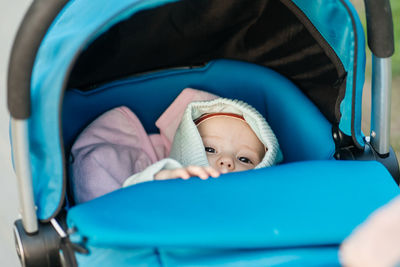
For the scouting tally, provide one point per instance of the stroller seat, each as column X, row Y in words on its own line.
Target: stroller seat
column 258, row 214
column 262, row 215
column 199, row 221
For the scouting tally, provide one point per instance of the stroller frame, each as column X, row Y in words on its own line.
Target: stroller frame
column 35, row 25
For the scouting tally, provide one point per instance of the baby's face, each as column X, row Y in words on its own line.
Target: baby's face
column 230, row 144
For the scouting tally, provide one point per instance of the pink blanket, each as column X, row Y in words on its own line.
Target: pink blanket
column 115, row 146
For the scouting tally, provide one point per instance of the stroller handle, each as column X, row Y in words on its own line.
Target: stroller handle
column 33, row 28
column 379, row 27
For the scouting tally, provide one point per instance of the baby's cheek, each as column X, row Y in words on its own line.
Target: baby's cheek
column 211, row 161
column 241, row 167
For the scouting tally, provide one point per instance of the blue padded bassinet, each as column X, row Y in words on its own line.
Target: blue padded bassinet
column 283, row 215
column 270, row 93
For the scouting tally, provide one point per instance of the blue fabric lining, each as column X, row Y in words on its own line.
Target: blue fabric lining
column 270, row 93
column 342, row 39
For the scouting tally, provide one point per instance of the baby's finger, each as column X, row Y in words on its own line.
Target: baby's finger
column 212, row 172
column 181, row 173
column 198, row 171
column 172, row 174
column 163, row 175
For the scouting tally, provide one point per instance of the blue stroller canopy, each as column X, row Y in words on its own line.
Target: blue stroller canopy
column 83, row 27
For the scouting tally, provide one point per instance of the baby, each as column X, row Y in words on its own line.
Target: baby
column 213, row 137
column 197, row 138
column 230, row 145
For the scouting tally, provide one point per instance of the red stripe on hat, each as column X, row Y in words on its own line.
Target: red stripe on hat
column 209, row 115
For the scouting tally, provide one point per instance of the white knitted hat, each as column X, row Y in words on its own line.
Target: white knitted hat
column 188, row 149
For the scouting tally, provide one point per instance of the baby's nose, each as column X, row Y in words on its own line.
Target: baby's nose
column 226, row 163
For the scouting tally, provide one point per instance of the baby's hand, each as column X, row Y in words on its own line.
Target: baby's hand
column 186, row 173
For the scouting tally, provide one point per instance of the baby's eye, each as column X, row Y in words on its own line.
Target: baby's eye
column 210, row 149
column 245, row 160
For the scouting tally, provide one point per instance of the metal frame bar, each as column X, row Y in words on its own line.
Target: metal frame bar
column 20, row 144
column 381, row 94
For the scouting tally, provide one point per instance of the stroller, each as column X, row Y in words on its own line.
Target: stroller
column 300, row 63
